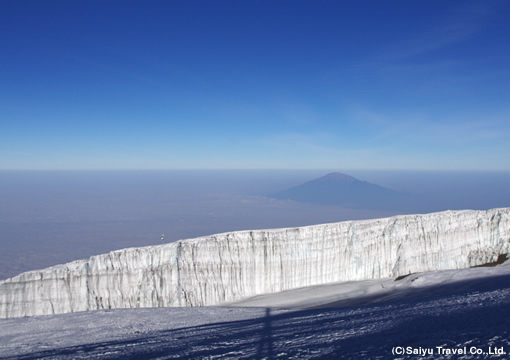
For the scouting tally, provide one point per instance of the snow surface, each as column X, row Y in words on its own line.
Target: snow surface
column 231, row 266
column 440, row 311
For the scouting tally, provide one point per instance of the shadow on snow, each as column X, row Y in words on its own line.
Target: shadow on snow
column 468, row 312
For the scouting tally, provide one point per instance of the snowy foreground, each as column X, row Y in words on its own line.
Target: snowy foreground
column 450, row 314
column 227, row 267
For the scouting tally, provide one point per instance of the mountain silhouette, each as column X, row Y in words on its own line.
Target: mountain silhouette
column 346, row 191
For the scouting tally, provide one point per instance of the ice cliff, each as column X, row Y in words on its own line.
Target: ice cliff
column 225, row 267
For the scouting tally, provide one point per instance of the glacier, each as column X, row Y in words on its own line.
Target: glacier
column 221, row 268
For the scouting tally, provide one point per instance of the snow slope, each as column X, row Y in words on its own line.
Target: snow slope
column 227, row 267
column 441, row 314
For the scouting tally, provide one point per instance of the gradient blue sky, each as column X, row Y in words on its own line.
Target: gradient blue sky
column 255, row 84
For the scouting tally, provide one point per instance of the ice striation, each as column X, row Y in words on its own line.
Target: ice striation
column 225, row 267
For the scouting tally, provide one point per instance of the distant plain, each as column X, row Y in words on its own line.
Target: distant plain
column 52, row 217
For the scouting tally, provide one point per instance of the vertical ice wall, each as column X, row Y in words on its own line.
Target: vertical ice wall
column 226, row 267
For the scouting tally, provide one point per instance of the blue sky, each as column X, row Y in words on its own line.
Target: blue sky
column 416, row 85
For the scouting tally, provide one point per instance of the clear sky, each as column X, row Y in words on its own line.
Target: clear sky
column 255, row 84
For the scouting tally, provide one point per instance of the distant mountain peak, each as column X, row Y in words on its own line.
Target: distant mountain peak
column 340, row 189
column 337, row 176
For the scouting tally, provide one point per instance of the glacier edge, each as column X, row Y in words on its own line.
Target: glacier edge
column 226, row 267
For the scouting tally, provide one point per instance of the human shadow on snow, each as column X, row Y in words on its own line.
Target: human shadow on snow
column 370, row 331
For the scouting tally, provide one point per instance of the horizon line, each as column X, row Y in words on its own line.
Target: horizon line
column 253, row 169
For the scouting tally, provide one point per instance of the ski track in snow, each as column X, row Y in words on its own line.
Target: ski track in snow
column 450, row 309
